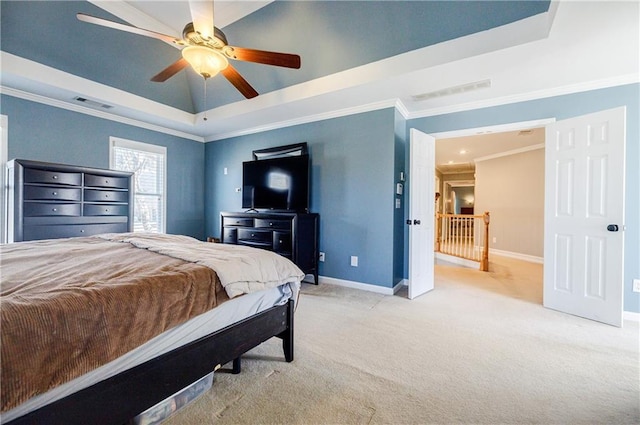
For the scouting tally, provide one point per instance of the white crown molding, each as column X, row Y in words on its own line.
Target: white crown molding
column 95, row 113
column 525, row 97
column 391, row 103
column 511, row 152
column 400, row 107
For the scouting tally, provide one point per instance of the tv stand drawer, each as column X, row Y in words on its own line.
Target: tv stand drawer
column 255, row 236
column 273, row 224
column 236, row 221
column 292, row 235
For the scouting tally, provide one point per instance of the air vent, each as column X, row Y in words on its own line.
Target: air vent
column 92, row 103
column 463, row 88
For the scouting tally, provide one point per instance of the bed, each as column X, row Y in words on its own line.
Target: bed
column 98, row 329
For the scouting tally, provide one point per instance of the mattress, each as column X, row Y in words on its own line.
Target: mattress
column 224, row 315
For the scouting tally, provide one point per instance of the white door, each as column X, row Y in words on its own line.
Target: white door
column 584, row 216
column 422, row 149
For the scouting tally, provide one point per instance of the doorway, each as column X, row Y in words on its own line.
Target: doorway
column 582, row 192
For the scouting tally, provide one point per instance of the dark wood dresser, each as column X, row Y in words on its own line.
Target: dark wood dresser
column 50, row 201
column 292, row 235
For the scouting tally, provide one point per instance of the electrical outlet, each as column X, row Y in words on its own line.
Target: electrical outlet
column 354, row 261
column 321, row 257
column 495, row 239
column 636, row 285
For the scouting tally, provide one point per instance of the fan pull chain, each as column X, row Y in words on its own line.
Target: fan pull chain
column 205, row 99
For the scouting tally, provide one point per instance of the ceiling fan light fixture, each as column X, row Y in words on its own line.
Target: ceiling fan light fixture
column 204, row 60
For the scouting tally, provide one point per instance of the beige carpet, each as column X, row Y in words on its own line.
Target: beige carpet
column 478, row 349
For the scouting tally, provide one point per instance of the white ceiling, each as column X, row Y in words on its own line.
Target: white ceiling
column 458, row 154
column 575, row 46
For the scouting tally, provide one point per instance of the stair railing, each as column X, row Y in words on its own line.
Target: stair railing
column 465, row 236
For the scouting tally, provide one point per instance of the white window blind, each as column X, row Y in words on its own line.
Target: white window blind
column 148, row 162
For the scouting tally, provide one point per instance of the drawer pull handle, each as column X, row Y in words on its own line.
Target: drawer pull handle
column 106, row 181
column 106, row 196
column 55, row 177
column 82, row 231
column 106, row 210
column 270, row 224
column 55, row 193
column 54, row 209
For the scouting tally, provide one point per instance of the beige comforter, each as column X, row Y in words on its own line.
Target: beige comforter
column 68, row 306
column 241, row 269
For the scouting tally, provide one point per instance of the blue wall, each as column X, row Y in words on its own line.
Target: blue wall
column 44, row 133
column 563, row 107
column 352, row 188
column 399, row 227
column 356, row 161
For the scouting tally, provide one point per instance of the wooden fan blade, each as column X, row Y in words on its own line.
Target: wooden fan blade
column 128, row 28
column 202, row 16
column 239, row 82
column 170, row 71
column 287, row 60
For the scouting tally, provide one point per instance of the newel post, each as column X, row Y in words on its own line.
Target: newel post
column 484, row 264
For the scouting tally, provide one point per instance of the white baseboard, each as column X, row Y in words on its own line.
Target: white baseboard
column 457, row 260
column 632, row 316
column 627, row 315
column 516, row 255
column 359, row 285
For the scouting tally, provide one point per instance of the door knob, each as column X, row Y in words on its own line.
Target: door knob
column 612, row 227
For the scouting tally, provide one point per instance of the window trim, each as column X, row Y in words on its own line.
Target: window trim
column 144, row 147
column 4, row 157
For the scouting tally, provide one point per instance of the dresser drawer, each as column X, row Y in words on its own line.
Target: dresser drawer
column 105, row 209
column 273, row 224
column 282, row 242
column 93, row 180
column 255, row 237
column 52, row 193
column 36, row 209
column 93, row 195
column 52, row 177
column 236, row 221
column 230, row 235
column 71, row 230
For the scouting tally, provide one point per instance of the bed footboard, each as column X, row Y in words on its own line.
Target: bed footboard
column 123, row 396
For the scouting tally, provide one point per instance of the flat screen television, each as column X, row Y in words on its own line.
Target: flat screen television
column 279, row 184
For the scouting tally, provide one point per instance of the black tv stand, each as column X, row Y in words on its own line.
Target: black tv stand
column 292, row 235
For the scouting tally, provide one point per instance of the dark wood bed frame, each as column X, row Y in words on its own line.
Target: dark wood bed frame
column 118, row 399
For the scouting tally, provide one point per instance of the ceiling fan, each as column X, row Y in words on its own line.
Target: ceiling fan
column 205, row 48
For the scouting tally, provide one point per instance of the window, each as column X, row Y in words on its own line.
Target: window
column 148, row 162
column 4, row 147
